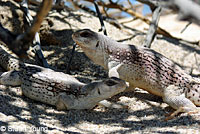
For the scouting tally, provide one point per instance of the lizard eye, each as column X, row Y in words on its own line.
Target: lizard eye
column 111, row 82
column 85, row 34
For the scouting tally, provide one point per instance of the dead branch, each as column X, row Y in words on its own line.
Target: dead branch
column 136, row 15
column 186, row 26
column 152, row 28
column 44, row 9
column 103, row 28
column 39, row 57
column 152, row 4
column 57, row 4
column 108, row 19
column 70, row 60
column 188, row 9
column 20, row 44
column 141, row 17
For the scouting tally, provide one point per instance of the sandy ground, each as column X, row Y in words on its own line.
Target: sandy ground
column 146, row 112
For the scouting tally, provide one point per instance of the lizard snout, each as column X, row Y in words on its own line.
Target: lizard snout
column 75, row 35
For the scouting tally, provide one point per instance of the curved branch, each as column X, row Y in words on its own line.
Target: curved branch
column 20, row 44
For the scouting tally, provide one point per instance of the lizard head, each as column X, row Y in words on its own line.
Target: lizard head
column 95, row 45
column 104, row 89
column 86, row 38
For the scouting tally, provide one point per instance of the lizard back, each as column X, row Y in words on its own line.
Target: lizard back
column 148, row 69
column 40, row 84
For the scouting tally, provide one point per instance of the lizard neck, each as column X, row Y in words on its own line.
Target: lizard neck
column 104, row 49
column 98, row 55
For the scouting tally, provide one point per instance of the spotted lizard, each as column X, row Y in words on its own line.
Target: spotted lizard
column 143, row 68
column 57, row 88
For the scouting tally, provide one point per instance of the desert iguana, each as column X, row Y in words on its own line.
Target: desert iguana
column 57, row 88
column 143, row 68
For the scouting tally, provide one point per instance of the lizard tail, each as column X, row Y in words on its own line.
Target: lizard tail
column 8, row 61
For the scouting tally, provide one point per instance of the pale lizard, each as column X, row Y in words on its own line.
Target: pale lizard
column 57, row 88
column 143, row 68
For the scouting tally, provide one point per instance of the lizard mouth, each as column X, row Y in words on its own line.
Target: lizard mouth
column 79, row 44
column 75, row 38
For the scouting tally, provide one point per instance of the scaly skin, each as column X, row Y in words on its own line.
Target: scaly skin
column 143, row 68
column 56, row 88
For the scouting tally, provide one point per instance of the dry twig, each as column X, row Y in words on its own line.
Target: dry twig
column 152, row 28
column 152, row 4
column 139, row 16
column 136, row 15
column 186, row 26
column 108, row 19
column 103, row 28
column 39, row 57
column 20, row 44
column 188, row 9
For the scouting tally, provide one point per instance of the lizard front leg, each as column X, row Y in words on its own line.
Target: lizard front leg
column 64, row 102
column 114, row 68
column 178, row 101
column 10, row 78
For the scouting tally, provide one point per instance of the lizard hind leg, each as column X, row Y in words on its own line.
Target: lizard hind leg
column 10, row 78
column 178, row 101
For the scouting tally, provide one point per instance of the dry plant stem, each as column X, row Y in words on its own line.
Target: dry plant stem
column 103, row 28
column 39, row 57
column 112, row 21
column 59, row 5
column 129, row 2
column 44, row 9
column 189, row 9
column 105, row 11
column 152, row 28
column 70, row 60
column 35, row 2
column 20, row 44
column 38, row 52
column 83, row 7
column 152, row 4
column 136, row 15
column 141, row 17
column 186, row 26
column 28, row 37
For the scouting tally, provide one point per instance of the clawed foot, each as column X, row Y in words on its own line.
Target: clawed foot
column 181, row 109
column 195, row 113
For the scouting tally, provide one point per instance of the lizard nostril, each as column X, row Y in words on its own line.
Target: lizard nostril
column 74, row 35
